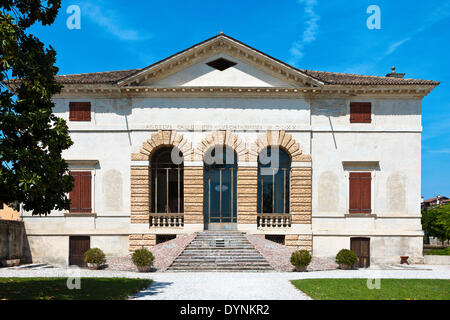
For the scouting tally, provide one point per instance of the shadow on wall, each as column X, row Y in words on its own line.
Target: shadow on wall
column 13, row 241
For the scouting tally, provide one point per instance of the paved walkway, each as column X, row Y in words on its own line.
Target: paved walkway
column 236, row 286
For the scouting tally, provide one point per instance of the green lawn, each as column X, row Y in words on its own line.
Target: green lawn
column 56, row 288
column 438, row 252
column 390, row 289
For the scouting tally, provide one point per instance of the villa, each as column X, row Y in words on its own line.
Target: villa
column 223, row 137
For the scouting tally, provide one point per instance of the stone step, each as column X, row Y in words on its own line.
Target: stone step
column 220, row 254
column 220, row 251
column 238, row 260
column 237, row 249
column 215, row 266
column 218, row 265
column 240, row 269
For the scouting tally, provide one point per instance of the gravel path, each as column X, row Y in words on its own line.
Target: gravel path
column 236, row 286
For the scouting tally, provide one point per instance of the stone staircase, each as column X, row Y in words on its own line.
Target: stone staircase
column 220, row 251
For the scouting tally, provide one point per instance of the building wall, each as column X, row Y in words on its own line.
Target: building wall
column 8, row 213
column 321, row 127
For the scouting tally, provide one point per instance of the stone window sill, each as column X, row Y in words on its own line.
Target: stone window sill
column 80, row 214
column 360, row 215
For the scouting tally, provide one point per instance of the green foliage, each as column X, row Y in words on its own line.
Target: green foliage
column 32, row 138
column 142, row 258
column 95, row 255
column 437, row 252
column 300, row 258
column 436, row 222
column 347, row 257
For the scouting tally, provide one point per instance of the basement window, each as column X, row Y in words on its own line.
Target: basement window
column 161, row 238
column 278, row 238
column 221, row 64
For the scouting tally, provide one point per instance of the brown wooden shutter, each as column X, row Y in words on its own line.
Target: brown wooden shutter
column 354, row 112
column 85, row 200
column 360, row 192
column 360, row 112
column 80, row 111
column 80, row 195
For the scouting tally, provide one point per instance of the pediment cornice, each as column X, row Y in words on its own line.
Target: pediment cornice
column 221, row 44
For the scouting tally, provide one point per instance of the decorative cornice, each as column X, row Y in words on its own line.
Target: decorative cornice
column 418, row 91
column 217, row 45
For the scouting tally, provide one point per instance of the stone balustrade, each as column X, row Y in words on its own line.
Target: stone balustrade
column 274, row 220
column 167, row 220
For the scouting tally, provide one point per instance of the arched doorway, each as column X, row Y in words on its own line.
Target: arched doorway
column 220, row 189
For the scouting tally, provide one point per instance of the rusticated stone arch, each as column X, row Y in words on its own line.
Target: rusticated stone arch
column 278, row 138
column 222, row 137
column 160, row 139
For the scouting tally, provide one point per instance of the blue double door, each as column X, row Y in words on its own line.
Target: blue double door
column 220, row 196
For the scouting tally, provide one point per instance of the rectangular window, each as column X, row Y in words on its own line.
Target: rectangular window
column 80, row 111
column 80, row 196
column 360, row 112
column 360, row 192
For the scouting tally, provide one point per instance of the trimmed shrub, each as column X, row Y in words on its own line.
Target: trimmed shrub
column 95, row 256
column 346, row 257
column 142, row 258
column 300, row 258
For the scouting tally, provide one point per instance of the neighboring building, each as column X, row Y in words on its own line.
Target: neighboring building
column 349, row 166
column 438, row 200
column 7, row 213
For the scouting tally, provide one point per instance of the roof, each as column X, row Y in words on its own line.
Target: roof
column 330, row 78
column 356, row 79
column 443, row 198
column 327, row 78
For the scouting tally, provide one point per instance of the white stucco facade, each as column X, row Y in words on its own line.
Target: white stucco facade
column 238, row 100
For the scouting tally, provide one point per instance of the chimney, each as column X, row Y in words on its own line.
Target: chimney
column 394, row 74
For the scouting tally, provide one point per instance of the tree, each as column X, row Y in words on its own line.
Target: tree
column 436, row 222
column 32, row 138
column 443, row 220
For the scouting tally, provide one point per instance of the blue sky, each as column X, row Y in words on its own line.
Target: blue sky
column 310, row 34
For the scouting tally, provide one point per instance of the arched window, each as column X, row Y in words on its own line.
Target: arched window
column 220, row 186
column 167, row 181
column 274, row 168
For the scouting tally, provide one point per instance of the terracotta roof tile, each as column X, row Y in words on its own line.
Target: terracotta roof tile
column 331, row 78
column 96, row 77
column 335, row 78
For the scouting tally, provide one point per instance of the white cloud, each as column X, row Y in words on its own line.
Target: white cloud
column 109, row 20
column 436, row 16
column 309, row 34
column 396, row 45
column 439, row 151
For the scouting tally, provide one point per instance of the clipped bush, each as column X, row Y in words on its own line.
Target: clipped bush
column 94, row 256
column 346, row 258
column 301, row 259
column 143, row 259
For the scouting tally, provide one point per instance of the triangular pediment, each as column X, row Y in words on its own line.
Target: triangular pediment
column 194, row 67
column 202, row 74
